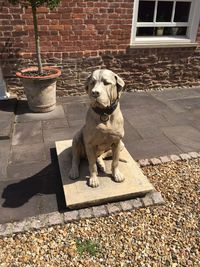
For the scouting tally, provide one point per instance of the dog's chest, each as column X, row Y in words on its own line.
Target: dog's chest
column 107, row 133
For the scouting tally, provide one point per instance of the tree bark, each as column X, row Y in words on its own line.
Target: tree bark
column 37, row 39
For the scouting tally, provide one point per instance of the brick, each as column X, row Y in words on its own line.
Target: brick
column 44, row 219
column 174, row 157
column 6, row 229
column 126, row 205
column 113, row 208
column 155, row 161
column 55, row 218
column 137, row 203
column 100, row 211
column 144, row 162
column 165, row 159
column 147, row 200
column 157, row 198
column 194, row 155
column 185, row 156
column 85, row 213
column 71, row 216
column 19, row 227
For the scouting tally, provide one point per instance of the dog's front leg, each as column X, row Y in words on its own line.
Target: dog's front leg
column 117, row 175
column 91, row 155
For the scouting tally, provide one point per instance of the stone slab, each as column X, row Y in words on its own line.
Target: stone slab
column 4, row 157
column 189, row 104
column 28, row 153
column 185, row 137
column 6, row 128
column 27, row 133
column 78, row 194
column 7, row 108
column 24, row 114
column 75, row 111
column 152, row 147
column 175, row 94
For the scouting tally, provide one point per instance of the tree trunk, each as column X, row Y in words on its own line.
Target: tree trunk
column 37, row 39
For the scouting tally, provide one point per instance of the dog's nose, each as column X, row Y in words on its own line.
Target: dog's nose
column 95, row 94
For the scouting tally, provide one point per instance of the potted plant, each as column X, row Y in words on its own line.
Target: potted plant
column 39, row 82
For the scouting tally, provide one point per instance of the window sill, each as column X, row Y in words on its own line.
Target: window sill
column 162, row 42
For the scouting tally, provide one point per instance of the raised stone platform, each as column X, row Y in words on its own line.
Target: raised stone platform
column 78, row 194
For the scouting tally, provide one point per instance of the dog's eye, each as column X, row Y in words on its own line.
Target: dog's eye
column 92, row 82
column 105, row 82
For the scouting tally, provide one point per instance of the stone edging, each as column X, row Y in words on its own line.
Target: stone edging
column 54, row 218
column 166, row 159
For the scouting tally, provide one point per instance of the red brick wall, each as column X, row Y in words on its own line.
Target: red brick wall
column 80, row 36
column 74, row 27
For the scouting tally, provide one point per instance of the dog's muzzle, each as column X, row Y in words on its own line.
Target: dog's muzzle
column 95, row 93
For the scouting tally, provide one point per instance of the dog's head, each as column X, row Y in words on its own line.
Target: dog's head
column 103, row 87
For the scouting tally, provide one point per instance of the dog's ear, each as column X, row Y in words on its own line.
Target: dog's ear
column 120, row 83
column 87, row 82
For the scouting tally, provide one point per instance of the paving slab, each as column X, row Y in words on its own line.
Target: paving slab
column 142, row 103
column 24, row 114
column 7, row 109
column 183, row 118
column 78, row 194
column 24, row 170
column 131, row 133
column 75, row 111
column 189, row 104
column 6, row 129
column 29, row 197
column 4, row 157
column 145, row 120
column 186, row 137
column 152, row 147
column 70, row 99
column 27, row 133
column 50, row 136
column 174, row 94
column 55, row 124
column 28, row 153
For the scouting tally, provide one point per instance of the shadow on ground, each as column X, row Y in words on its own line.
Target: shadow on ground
column 43, row 182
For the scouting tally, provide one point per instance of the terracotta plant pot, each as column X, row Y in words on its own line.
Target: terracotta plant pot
column 40, row 90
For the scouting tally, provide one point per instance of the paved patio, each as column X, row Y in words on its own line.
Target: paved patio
column 156, row 124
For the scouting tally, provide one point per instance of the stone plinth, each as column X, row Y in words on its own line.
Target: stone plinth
column 78, row 194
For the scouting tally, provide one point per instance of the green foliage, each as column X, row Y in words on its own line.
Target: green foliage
column 88, row 246
column 36, row 3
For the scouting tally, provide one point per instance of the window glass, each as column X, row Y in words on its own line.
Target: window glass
column 175, row 31
column 146, row 11
column 161, row 31
column 164, row 11
column 145, row 31
column 182, row 11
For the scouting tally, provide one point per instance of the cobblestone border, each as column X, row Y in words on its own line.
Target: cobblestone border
column 54, row 218
column 169, row 158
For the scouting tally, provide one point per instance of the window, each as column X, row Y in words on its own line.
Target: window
column 165, row 21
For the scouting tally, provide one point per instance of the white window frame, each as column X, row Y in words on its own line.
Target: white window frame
column 159, row 41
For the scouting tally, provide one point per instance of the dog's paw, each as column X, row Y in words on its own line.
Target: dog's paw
column 101, row 165
column 93, row 182
column 74, row 173
column 118, row 176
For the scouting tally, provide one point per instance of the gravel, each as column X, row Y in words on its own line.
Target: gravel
column 155, row 236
